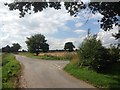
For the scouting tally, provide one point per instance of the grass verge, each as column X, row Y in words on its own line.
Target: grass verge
column 10, row 71
column 110, row 81
column 0, row 71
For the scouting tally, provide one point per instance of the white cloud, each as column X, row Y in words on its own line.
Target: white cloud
column 85, row 1
column 79, row 24
column 96, row 23
column 80, row 31
column 106, row 36
column 86, row 14
column 15, row 29
column 65, row 28
column 96, row 16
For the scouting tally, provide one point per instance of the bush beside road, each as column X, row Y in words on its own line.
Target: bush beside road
column 10, row 71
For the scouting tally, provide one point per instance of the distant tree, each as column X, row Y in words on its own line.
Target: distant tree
column 44, row 47
column 15, row 47
column 6, row 49
column 37, row 43
column 69, row 46
column 24, row 50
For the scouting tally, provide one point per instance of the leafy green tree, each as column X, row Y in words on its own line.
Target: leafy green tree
column 15, row 47
column 117, row 36
column 69, row 46
column 92, row 54
column 6, row 49
column 45, row 47
column 37, row 43
column 114, row 53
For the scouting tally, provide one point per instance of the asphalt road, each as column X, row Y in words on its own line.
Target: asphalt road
column 48, row 74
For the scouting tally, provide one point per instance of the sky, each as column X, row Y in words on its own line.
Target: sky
column 56, row 25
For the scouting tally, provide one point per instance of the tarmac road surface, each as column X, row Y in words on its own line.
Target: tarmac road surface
column 48, row 74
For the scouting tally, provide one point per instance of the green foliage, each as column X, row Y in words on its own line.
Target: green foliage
column 117, row 35
column 15, row 47
column 44, row 47
column 6, row 49
column 69, row 46
column 37, row 43
column 114, row 53
column 37, row 6
column 96, row 79
column 93, row 54
column 10, row 71
column 0, row 78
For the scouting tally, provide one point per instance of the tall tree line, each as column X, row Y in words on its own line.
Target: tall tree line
column 14, row 48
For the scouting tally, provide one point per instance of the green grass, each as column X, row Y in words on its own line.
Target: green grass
column 111, row 80
column 0, row 71
column 10, row 71
column 28, row 55
column 44, row 57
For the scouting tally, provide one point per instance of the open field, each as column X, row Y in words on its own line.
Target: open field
column 60, row 54
column 51, row 55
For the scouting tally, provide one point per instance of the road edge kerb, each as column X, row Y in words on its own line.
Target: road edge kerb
column 21, row 82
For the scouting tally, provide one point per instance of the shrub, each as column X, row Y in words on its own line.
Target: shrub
column 92, row 54
column 114, row 54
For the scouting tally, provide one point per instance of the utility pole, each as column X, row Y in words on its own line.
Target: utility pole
column 119, row 37
column 88, row 33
